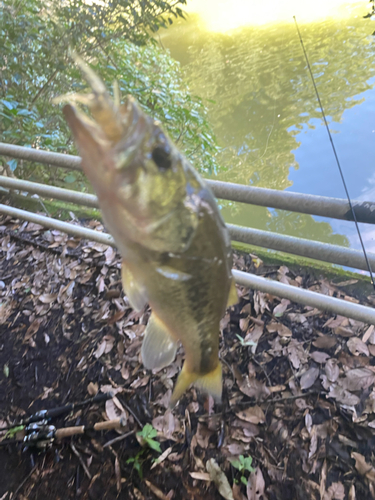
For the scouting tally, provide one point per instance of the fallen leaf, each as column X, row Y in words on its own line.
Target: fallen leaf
column 319, row 357
column 220, row 479
column 201, row 476
column 253, row 388
column 325, row 342
column 358, row 379
column 255, row 485
column 156, row 491
column 253, row 414
column 356, row 346
column 368, row 335
column 332, row 370
column 344, row 332
column 343, row 396
column 309, row 377
column 281, row 308
column 336, row 492
column 363, row 467
column 92, row 388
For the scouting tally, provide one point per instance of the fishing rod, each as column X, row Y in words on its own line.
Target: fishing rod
column 46, row 415
column 40, row 435
column 335, row 154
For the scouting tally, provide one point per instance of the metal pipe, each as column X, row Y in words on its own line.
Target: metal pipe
column 67, row 195
column 65, row 227
column 326, row 252
column 302, row 296
column 285, row 200
column 313, row 299
column 30, row 154
column 290, row 244
column 322, row 206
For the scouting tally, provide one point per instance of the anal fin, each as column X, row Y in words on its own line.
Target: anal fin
column 136, row 294
column 158, row 348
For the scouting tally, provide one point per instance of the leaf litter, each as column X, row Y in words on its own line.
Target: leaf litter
column 298, row 398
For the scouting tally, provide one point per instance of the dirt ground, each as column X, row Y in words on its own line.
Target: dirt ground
column 298, row 397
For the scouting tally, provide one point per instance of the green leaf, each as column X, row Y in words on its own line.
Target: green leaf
column 154, row 445
column 12, row 164
column 70, row 178
column 244, row 480
column 7, row 104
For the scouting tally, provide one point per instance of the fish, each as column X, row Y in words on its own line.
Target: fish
column 175, row 248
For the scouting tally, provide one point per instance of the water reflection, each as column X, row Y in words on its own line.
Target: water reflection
column 267, row 119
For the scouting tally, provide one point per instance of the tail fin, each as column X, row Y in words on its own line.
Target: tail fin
column 210, row 383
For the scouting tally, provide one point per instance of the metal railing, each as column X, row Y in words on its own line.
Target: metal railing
column 314, row 205
column 333, row 254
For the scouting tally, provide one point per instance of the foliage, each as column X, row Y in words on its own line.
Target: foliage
column 146, row 437
column 35, row 41
column 243, row 464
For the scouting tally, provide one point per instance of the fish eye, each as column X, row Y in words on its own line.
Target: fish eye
column 162, row 158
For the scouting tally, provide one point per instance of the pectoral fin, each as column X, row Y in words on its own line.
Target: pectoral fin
column 136, row 294
column 233, row 296
column 210, row 383
column 158, row 348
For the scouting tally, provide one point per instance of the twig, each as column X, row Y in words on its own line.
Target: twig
column 119, row 438
column 24, row 481
column 131, row 412
column 81, row 461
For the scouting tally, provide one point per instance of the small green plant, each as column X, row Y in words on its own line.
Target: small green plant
column 146, row 438
column 243, row 464
column 147, row 435
column 246, row 343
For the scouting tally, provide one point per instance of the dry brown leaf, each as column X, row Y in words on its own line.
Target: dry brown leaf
column 118, row 474
column 335, row 492
column 244, row 324
column 92, row 388
column 48, row 298
column 255, row 486
column 332, row 370
column 201, row 476
column 356, row 346
column 352, row 495
column 344, row 332
column 114, row 409
column 309, row 377
column 253, row 388
column 237, row 494
column 325, row 342
column 358, row 379
column 281, row 308
column 296, row 353
column 220, row 479
column 369, row 335
column 156, row 491
column 323, row 479
column 32, row 330
column 363, row 467
column 343, row 396
column 335, row 322
column 297, row 318
column 253, row 414
column 162, row 457
column 319, row 357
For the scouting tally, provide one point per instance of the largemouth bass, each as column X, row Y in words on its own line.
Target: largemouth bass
column 173, row 241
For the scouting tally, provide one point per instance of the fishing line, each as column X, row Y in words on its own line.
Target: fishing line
column 335, row 153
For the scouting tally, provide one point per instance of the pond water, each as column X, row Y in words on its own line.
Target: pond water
column 265, row 113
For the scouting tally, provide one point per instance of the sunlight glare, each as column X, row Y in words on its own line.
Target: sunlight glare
column 225, row 15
